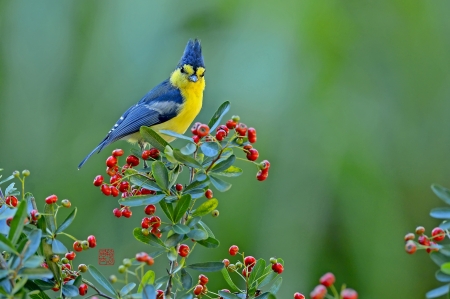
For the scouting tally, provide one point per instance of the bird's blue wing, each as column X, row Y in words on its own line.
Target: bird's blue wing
column 159, row 105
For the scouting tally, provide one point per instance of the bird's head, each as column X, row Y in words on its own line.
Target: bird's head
column 190, row 70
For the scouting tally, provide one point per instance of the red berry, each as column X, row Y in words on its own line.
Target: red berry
column 226, row 262
column 252, row 139
column 117, row 152
column 319, row 292
column 220, row 135
column 155, row 221
column 262, row 175
column 106, row 190
column 249, row 260
column 156, row 232
column 410, row 247
column 183, row 250
column 111, row 161
column 145, row 154
column 123, row 187
column 70, row 255
column 247, row 147
column 195, row 127
column 203, row 279
column 77, row 246
column 125, row 167
column 136, row 192
column 51, row 199
column 154, row 153
column 223, row 128
column 159, row 294
column 141, row 256
column 209, row 194
column 233, row 250
column 433, row 247
column 117, row 212
column 8, row 221
column 246, row 272
column 112, row 170
column 179, row 187
column 34, row 215
column 126, row 212
column 65, row 267
column 198, row 289
column 264, row 165
column 145, row 191
column 145, row 223
column 92, row 241
column 409, row 236
column 251, row 133
column 150, row 209
column 327, row 279
column 231, row 124
column 420, row 230
column 115, row 179
column 424, row 240
column 241, row 129
column 438, row 234
column 202, row 130
column 133, row 160
column 98, row 180
column 299, row 296
column 349, row 294
column 252, row 154
column 114, row 191
column 195, row 138
column 278, row 268
column 11, row 201
column 82, row 289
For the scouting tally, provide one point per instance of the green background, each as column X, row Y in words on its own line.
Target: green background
column 350, row 100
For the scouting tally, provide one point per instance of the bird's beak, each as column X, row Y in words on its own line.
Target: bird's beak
column 193, row 78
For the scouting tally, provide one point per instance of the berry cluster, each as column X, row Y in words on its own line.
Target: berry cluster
column 327, row 281
column 151, row 224
column 424, row 242
column 201, row 289
column 249, row 263
column 68, row 272
column 90, row 242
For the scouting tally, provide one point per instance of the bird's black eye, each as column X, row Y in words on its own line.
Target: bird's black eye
column 182, row 70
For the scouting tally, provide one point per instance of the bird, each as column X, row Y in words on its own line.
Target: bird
column 171, row 105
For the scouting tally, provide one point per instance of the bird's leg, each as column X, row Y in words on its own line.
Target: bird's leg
column 142, row 146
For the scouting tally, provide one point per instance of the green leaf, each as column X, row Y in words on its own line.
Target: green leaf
column 197, row 234
column 206, row 207
column 210, row 149
column 206, row 228
column 35, row 240
column 196, row 193
column 7, row 179
column 224, row 165
column 266, row 295
column 197, row 185
column 228, row 279
column 58, row 247
column 127, row 288
column 36, row 273
column 186, row 160
column 257, row 271
column 215, row 120
column 442, row 277
column 445, row 225
column 193, row 221
column 173, row 240
column 268, row 278
column 69, row 290
column 160, row 281
column 44, row 285
column 149, row 292
column 144, row 182
column 16, row 226
column 188, row 149
column 172, row 254
column 441, row 192
column 181, row 208
column 186, row 279
column 442, row 290
column 98, row 276
column 150, row 239
column 141, row 200
column 50, row 218
column 226, row 295
column 207, row 266
column 161, row 175
column 167, row 209
column 6, row 245
column 276, row 285
column 176, row 135
column 445, row 267
column 180, row 229
column 148, row 278
column 440, row 213
column 33, row 261
column 220, row 184
column 438, row 258
column 231, row 172
column 19, row 284
column 209, row 243
column 67, row 222
column 153, row 138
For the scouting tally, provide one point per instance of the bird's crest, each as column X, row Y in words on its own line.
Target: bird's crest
column 192, row 54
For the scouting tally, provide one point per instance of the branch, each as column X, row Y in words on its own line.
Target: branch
column 97, row 290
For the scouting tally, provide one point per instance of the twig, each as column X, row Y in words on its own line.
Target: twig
column 97, row 290
column 214, row 161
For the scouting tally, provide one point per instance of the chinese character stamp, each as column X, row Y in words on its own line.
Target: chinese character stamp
column 106, row 257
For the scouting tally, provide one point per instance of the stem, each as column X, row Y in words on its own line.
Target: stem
column 334, row 291
column 214, row 161
column 97, row 290
column 23, row 188
column 70, row 236
column 4, row 265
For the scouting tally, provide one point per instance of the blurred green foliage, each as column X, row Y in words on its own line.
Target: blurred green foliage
column 348, row 97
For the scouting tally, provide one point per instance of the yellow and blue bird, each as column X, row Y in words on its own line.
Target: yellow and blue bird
column 171, row 105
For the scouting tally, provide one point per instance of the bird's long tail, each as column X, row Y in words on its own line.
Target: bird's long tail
column 97, row 149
